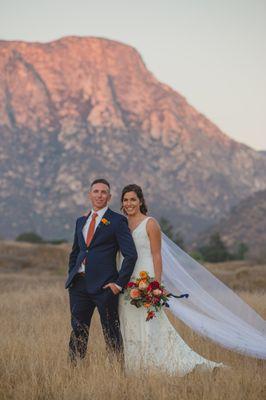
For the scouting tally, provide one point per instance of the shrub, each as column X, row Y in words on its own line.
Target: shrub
column 30, row 237
column 241, row 251
column 216, row 250
column 197, row 256
column 168, row 230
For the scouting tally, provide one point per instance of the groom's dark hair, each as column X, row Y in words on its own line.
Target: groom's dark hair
column 101, row 180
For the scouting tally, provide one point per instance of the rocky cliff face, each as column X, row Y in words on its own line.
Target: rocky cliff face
column 79, row 108
column 246, row 222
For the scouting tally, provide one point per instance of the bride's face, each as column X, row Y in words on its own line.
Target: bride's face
column 131, row 204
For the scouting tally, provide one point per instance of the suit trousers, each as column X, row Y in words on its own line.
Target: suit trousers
column 82, row 306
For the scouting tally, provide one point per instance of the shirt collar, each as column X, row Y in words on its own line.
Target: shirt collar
column 100, row 212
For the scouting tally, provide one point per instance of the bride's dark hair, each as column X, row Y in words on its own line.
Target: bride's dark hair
column 136, row 189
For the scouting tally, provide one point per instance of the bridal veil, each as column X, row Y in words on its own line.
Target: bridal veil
column 212, row 309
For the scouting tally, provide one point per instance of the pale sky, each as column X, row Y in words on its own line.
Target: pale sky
column 213, row 52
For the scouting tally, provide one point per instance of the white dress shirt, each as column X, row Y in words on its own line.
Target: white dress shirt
column 85, row 229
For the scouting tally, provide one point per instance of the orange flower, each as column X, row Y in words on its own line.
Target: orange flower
column 143, row 275
column 147, row 305
column 134, row 293
column 105, row 221
column 143, row 284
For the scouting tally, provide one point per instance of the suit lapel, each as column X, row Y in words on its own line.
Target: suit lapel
column 85, row 220
column 82, row 226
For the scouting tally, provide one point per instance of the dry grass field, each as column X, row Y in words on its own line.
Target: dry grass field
column 35, row 329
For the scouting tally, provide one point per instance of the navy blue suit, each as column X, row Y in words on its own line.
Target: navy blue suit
column 87, row 292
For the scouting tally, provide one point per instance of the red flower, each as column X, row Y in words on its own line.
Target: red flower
column 131, row 284
column 153, row 285
column 150, row 315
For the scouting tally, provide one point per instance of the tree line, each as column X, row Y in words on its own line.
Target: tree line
column 214, row 251
column 33, row 237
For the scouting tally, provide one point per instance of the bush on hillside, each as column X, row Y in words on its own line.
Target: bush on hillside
column 30, row 237
column 168, row 230
column 215, row 250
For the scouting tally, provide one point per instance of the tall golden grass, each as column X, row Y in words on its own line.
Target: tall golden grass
column 35, row 329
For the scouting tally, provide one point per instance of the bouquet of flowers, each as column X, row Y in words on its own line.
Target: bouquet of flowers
column 146, row 292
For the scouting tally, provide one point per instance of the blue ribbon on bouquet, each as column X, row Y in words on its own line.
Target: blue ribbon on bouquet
column 185, row 295
column 178, row 297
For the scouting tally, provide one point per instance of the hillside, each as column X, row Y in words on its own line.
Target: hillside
column 246, row 223
column 79, row 108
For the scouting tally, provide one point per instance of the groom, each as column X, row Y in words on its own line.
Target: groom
column 93, row 279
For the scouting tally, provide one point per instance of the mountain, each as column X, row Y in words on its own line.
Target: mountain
column 246, row 222
column 79, row 108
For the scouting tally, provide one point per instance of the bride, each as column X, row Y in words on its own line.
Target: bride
column 154, row 343
column 212, row 309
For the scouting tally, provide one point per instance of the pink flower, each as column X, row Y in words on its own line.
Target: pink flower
column 135, row 293
column 157, row 292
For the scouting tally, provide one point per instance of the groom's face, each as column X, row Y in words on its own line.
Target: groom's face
column 99, row 196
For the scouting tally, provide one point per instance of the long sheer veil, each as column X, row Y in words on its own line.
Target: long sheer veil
column 212, row 309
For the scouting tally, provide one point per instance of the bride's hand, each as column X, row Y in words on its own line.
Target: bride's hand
column 166, row 292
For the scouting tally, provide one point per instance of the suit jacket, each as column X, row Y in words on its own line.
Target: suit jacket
column 100, row 255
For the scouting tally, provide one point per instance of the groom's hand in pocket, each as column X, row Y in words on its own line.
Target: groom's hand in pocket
column 115, row 288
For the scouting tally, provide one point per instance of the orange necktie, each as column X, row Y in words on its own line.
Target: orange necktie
column 91, row 229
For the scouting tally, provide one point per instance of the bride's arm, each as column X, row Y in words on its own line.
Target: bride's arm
column 154, row 233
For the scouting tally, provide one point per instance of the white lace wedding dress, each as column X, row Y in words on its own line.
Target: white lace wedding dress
column 153, row 344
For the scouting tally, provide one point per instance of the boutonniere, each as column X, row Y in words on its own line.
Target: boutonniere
column 105, row 221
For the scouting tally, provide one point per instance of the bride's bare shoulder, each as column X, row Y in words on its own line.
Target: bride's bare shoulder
column 153, row 225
